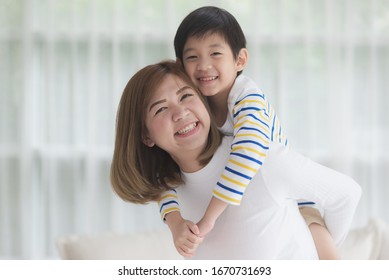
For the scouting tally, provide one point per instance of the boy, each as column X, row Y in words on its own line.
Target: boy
column 211, row 46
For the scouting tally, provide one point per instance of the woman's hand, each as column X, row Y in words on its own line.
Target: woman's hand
column 185, row 234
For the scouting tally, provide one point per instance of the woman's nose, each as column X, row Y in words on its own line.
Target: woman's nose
column 180, row 112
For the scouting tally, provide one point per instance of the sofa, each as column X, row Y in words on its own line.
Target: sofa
column 370, row 242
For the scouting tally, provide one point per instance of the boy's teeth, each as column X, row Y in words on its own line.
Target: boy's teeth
column 187, row 129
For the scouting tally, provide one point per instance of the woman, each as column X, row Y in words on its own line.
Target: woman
column 165, row 140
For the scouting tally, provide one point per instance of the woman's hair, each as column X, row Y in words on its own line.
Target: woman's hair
column 139, row 173
column 209, row 20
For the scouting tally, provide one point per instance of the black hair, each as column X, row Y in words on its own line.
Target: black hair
column 208, row 20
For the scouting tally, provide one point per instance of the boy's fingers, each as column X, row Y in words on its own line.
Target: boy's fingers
column 194, row 229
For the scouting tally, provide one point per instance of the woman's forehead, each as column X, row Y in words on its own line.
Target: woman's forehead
column 169, row 85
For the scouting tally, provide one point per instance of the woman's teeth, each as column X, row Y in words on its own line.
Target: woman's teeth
column 187, row 129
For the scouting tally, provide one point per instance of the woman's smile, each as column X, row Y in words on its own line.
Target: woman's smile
column 188, row 130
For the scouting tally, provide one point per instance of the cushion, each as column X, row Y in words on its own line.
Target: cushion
column 156, row 245
column 366, row 243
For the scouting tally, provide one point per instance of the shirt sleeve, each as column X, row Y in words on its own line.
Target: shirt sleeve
column 255, row 125
column 168, row 203
column 298, row 177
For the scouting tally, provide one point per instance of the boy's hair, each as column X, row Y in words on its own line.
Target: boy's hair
column 209, row 20
column 139, row 173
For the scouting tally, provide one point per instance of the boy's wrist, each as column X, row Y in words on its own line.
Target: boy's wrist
column 209, row 219
column 172, row 217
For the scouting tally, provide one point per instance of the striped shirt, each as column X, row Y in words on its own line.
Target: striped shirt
column 254, row 124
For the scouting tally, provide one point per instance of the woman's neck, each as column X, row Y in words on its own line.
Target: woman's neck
column 188, row 163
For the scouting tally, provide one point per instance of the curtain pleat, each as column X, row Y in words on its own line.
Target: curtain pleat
column 322, row 63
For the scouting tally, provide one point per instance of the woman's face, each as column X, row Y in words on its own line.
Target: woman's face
column 177, row 120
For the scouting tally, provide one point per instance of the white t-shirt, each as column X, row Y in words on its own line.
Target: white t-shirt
column 268, row 224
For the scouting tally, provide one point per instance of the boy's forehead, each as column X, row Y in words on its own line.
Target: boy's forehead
column 211, row 39
column 204, row 36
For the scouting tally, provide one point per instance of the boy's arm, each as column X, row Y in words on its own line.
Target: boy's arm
column 255, row 125
column 184, row 232
column 168, row 203
column 214, row 210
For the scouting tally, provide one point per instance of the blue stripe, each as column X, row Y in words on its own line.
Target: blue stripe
column 306, row 203
column 272, row 129
column 253, row 94
column 252, row 142
column 229, row 189
column 258, row 130
column 238, row 173
column 167, row 203
column 257, row 119
column 247, row 157
column 249, row 108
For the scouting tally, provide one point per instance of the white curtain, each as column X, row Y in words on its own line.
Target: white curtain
column 324, row 64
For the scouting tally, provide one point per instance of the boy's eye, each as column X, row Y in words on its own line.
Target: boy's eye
column 216, row 53
column 191, row 57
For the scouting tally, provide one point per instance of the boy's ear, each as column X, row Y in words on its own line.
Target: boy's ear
column 242, row 59
column 148, row 142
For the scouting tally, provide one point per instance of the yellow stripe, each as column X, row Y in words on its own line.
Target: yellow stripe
column 252, row 135
column 239, row 124
column 226, row 197
column 263, row 105
column 243, row 165
column 168, row 210
column 166, row 196
column 233, row 181
column 249, row 149
column 247, row 167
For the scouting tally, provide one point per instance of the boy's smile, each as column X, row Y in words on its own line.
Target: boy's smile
column 210, row 63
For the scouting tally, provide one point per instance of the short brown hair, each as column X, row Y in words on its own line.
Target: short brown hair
column 140, row 174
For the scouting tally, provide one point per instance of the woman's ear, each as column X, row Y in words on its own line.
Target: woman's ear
column 148, row 142
column 242, row 59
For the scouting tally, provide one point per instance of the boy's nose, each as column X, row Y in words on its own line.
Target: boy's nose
column 204, row 65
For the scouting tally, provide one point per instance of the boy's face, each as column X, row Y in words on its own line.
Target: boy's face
column 210, row 63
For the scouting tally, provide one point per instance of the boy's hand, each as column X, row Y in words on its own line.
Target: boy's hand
column 185, row 234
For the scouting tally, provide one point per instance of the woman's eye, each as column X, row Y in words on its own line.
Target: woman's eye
column 160, row 110
column 186, row 95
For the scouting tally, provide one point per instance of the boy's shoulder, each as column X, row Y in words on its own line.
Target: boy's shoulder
column 243, row 85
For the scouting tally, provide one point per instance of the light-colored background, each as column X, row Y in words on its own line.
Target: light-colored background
column 324, row 64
